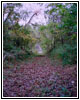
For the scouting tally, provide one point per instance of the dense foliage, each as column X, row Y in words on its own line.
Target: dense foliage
column 58, row 37
column 17, row 40
column 64, row 32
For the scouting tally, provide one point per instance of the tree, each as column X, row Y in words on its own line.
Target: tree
column 65, row 31
column 12, row 14
column 16, row 39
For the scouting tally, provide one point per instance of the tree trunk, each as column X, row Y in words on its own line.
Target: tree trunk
column 30, row 19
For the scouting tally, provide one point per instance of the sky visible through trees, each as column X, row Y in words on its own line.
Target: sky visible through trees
column 32, row 8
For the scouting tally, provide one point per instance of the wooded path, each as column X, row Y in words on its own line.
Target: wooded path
column 40, row 77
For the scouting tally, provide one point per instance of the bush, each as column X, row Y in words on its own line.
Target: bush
column 69, row 56
column 67, row 52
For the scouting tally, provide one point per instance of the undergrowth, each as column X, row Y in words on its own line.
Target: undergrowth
column 67, row 53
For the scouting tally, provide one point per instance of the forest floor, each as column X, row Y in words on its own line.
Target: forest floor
column 40, row 77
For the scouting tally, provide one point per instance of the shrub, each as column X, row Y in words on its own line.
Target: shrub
column 67, row 52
